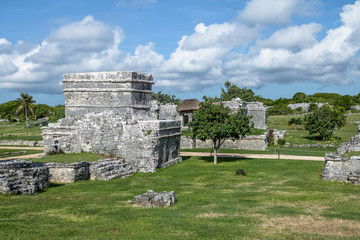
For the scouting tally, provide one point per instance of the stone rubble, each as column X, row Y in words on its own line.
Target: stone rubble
column 152, row 199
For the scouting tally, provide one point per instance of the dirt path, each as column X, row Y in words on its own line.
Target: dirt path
column 25, row 148
column 265, row 156
column 34, row 155
column 22, row 157
column 184, row 154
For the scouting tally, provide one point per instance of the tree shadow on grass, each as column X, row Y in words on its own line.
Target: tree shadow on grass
column 224, row 159
column 53, row 185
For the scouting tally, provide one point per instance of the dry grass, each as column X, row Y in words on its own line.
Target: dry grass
column 315, row 225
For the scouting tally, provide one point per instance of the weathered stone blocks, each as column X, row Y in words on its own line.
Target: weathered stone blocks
column 22, row 177
column 108, row 169
column 68, row 172
column 252, row 142
column 337, row 168
column 109, row 113
column 152, row 199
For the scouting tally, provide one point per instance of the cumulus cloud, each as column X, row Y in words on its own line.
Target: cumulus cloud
column 293, row 38
column 266, row 12
column 329, row 61
column 87, row 45
column 209, row 56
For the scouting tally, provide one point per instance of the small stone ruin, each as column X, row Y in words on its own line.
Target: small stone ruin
column 152, row 199
column 22, row 177
column 339, row 167
column 109, row 113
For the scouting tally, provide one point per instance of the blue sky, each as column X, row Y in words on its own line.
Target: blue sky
column 191, row 47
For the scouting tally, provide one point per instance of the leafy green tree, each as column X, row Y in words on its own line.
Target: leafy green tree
column 280, row 109
column 324, row 121
column 300, row 97
column 313, row 107
column 233, row 91
column 345, row 102
column 26, row 103
column 215, row 122
column 295, row 122
column 165, row 98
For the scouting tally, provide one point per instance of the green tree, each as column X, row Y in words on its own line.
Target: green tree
column 300, row 97
column 313, row 107
column 215, row 122
column 233, row 91
column 324, row 121
column 295, row 122
column 26, row 103
column 165, row 98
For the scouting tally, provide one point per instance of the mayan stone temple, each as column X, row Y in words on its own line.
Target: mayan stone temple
column 109, row 113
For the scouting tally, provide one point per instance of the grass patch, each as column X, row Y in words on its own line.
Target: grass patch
column 16, row 152
column 314, row 151
column 302, row 137
column 278, row 199
column 70, row 158
column 19, row 131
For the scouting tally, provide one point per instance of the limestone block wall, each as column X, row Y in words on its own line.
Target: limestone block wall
column 128, row 94
column 68, row 172
column 353, row 145
column 108, row 169
column 145, row 145
column 255, row 142
column 257, row 112
column 337, row 168
column 22, row 177
column 304, row 106
column 22, row 143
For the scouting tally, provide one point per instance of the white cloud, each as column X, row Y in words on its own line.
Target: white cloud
column 209, row 56
column 293, row 38
column 266, row 12
column 87, row 45
column 329, row 61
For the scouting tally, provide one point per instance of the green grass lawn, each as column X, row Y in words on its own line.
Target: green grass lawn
column 69, row 158
column 314, row 151
column 277, row 199
column 302, row 136
column 19, row 131
column 23, row 152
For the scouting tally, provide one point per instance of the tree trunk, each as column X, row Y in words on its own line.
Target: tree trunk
column 215, row 151
column 26, row 119
column 215, row 156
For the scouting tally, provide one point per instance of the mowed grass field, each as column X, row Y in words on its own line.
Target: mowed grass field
column 302, row 136
column 277, row 199
column 19, row 131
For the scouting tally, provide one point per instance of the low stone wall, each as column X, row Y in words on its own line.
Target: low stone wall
column 22, row 177
column 108, row 169
column 68, row 172
column 254, row 142
column 187, row 143
column 22, row 143
column 337, row 168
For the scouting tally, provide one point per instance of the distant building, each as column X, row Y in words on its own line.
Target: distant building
column 186, row 109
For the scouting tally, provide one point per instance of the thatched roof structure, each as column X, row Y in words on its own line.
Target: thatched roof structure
column 188, row 105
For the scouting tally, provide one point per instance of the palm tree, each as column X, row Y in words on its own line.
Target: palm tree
column 26, row 102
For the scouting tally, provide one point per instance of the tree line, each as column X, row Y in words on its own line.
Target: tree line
column 25, row 109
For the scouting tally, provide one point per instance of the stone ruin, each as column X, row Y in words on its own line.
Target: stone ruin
column 304, row 106
column 22, row 177
column 152, row 199
column 339, row 167
column 109, row 113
